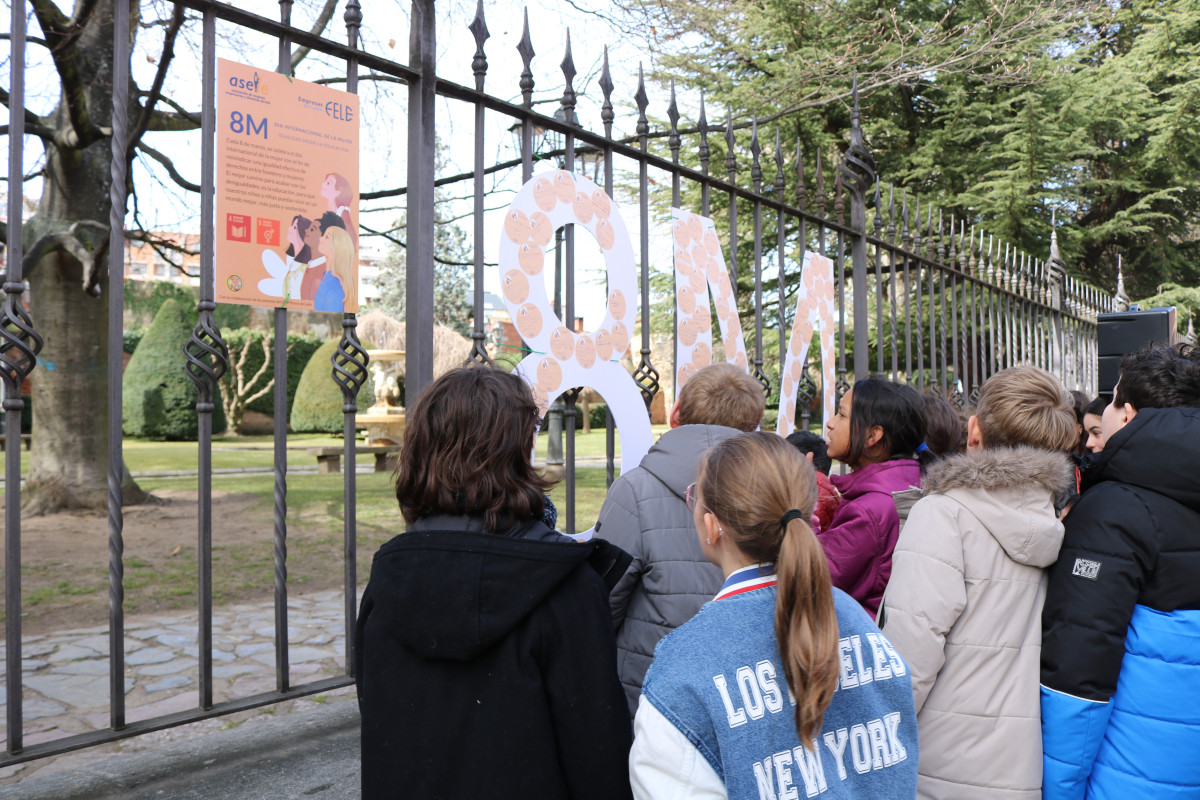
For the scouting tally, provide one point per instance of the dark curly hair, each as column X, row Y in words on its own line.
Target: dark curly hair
column 1160, row 376
column 467, row 446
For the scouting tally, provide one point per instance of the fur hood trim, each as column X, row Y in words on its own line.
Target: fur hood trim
column 1001, row 468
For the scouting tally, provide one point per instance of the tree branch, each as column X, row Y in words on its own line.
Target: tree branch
column 192, row 117
column 28, row 40
column 164, row 62
column 53, row 21
column 35, row 125
column 61, row 35
column 267, row 339
column 400, row 243
column 67, row 241
column 160, row 245
column 317, row 29
column 37, row 173
column 159, row 242
column 41, row 131
column 166, row 121
column 170, row 167
column 82, row 16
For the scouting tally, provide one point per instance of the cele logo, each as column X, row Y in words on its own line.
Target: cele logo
column 342, row 111
column 247, row 84
column 1085, row 568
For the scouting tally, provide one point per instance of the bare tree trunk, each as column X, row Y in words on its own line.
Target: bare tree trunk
column 69, row 458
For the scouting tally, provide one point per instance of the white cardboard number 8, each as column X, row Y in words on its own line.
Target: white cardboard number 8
column 560, row 358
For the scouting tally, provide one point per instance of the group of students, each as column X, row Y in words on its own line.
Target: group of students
column 971, row 611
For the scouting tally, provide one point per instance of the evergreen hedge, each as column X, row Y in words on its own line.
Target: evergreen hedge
column 159, row 399
column 130, row 339
column 318, row 405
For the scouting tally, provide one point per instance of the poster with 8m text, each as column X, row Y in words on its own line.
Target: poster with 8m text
column 287, row 192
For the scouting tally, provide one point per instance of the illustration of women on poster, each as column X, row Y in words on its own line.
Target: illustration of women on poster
column 339, row 195
column 338, row 289
column 286, row 275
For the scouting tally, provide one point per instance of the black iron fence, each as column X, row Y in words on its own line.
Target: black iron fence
column 932, row 300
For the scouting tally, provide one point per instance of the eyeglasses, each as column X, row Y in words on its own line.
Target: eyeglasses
column 689, row 496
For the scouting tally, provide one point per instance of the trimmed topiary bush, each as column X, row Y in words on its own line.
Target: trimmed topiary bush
column 318, row 404
column 159, row 399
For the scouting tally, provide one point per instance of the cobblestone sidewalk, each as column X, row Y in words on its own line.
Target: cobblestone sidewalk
column 66, row 681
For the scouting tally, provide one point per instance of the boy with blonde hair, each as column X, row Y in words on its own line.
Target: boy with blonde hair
column 646, row 515
column 964, row 602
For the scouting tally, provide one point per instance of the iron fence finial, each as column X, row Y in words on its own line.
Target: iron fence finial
column 730, row 158
column 801, row 189
column 673, row 140
column 643, row 124
column 756, row 173
column 704, row 151
column 607, row 115
column 479, row 30
column 941, row 238
column 353, row 18
column 878, row 211
column 779, row 180
column 525, row 48
column 1121, row 299
column 568, row 70
column 891, row 226
column 820, row 185
column 858, row 165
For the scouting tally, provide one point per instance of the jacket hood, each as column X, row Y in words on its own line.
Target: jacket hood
column 1158, row 450
column 675, row 458
column 450, row 595
column 884, row 476
column 1011, row 491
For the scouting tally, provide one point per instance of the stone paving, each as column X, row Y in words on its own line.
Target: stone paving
column 66, row 674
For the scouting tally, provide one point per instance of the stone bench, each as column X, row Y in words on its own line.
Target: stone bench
column 329, row 459
column 26, row 440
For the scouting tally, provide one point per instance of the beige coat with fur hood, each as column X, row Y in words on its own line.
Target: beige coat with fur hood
column 964, row 608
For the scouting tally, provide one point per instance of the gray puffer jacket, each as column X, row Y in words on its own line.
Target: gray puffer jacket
column 645, row 515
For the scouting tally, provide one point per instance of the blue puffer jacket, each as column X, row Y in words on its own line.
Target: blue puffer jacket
column 1121, row 624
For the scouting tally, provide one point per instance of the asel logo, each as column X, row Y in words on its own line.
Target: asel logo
column 249, row 85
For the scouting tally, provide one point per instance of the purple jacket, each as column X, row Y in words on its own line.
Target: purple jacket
column 863, row 532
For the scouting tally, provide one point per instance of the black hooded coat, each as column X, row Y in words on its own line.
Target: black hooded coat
column 486, row 667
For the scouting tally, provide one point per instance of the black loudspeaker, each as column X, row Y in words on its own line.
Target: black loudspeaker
column 1125, row 332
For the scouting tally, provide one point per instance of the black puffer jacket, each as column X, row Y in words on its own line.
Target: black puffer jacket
column 486, row 667
column 1121, row 624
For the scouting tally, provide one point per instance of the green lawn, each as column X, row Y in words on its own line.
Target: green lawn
column 319, row 497
column 234, row 452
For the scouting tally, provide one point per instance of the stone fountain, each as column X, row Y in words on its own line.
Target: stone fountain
column 384, row 421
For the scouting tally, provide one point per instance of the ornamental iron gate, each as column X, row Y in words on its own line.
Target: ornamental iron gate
column 934, row 301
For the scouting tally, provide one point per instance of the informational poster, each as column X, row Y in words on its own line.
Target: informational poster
column 699, row 267
column 560, row 358
column 814, row 310
column 287, row 192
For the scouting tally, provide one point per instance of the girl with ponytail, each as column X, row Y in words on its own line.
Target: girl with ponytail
column 782, row 684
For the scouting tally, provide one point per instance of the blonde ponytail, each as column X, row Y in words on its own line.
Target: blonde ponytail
column 751, row 483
